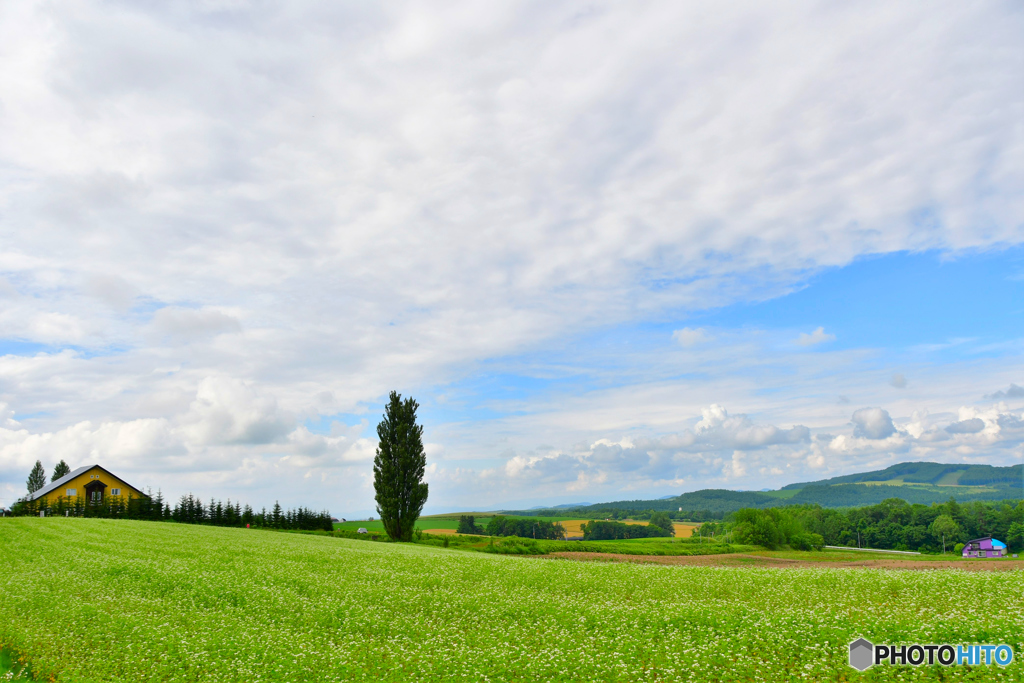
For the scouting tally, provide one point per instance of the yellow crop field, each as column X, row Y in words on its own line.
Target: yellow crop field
column 572, row 527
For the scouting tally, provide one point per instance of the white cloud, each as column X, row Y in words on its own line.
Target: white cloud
column 689, row 337
column 718, row 428
column 227, row 411
column 1013, row 392
column 819, row 336
column 872, row 423
column 736, row 468
column 404, row 196
column 898, row 381
column 180, row 324
column 970, row 426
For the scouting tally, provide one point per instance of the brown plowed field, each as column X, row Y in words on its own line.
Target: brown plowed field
column 740, row 560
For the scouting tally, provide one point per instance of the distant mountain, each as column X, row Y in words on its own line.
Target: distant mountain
column 931, row 473
column 914, row 482
column 559, row 507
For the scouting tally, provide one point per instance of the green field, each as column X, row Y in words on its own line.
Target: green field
column 107, row 600
column 11, row 669
column 439, row 522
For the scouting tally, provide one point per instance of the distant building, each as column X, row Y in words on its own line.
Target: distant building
column 984, row 547
column 91, row 483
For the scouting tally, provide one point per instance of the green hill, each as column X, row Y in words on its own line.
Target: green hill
column 931, row 473
column 914, row 482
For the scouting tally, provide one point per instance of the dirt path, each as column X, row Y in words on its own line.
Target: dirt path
column 740, row 560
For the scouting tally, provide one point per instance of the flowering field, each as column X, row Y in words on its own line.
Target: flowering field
column 108, row 600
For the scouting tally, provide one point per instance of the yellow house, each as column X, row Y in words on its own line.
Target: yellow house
column 91, row 483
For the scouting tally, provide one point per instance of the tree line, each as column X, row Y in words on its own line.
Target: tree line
column 188, row 510
column 893, row 524
column 524, row 528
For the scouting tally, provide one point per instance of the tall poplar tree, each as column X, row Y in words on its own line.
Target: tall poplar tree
column 36, row 478
column 398, row 468
column 60, row 470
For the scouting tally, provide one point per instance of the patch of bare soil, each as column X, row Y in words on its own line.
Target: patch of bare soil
column 741, row 560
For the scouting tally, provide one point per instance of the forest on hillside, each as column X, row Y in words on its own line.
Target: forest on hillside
column 892, row 524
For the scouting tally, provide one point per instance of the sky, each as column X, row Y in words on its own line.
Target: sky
column 615, row 251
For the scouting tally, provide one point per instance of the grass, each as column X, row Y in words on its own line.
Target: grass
column 11, row 669
column 109, row 600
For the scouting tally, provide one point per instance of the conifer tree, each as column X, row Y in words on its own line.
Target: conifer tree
column 36, row 478
column 158, row 503
column 398, row 468
column 60, row 470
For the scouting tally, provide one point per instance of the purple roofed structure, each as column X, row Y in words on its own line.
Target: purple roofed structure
column 984, row 547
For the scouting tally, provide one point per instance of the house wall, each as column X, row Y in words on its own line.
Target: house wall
column 79, row 482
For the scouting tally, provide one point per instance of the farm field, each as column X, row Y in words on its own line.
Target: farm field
column 447, row 524
column 376, row 525
column 109, row 600
column 740, row 557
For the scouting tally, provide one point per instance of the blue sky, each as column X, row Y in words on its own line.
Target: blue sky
column 605, row 265
column 903, row 307
column 899, row 300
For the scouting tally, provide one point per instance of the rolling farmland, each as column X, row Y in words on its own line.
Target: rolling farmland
column 445, row 524
column 103, row 600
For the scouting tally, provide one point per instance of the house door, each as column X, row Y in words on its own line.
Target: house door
column 94, row 491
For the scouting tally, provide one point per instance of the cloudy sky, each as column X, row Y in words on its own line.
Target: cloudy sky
column 614, row 250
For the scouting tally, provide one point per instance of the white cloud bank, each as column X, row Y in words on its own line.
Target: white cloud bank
column 325, row 202
column 725, row 451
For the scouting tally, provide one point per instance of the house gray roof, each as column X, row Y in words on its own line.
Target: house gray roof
column 60, row 482
column 53, row 485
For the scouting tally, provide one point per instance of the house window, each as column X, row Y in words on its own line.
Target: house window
column 97, row 496
column 115, row 492
column 72, row 493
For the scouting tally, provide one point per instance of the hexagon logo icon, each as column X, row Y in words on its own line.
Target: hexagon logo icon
column 861, row 654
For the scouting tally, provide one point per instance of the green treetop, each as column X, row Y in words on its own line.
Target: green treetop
column 398, row 468
column 60, row 470
column 36, row 478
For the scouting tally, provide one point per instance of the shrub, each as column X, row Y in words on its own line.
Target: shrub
column 468, row 525
column 513, row 545
column 661, row 519
column 807, row 541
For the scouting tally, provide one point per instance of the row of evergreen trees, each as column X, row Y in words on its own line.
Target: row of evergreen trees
column 188, row 510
